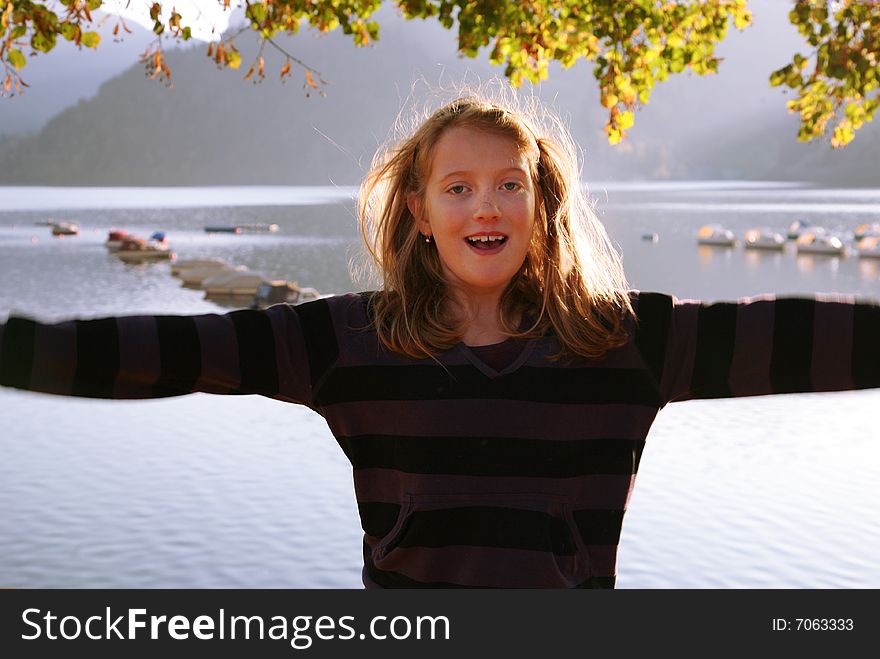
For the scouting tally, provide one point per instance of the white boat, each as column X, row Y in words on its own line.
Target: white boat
column 764, row 239
column 194, row 277
column 715, row 234
column 259, row 228
column 796, row 228
column 866, row 230
column 869, row 247
column 233, row 284
column 817, row 241
column 138, row 250
column 64, row 229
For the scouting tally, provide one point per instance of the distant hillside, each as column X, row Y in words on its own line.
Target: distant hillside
column 771, row 151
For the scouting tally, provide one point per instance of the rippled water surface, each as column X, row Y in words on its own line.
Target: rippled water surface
column 206, row 491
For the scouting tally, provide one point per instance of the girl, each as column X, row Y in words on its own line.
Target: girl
column 494, row 396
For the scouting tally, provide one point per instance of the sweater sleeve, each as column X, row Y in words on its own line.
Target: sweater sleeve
column 757, row 346
column 242, row 352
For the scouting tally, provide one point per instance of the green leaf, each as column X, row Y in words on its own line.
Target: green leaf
column 90, row 39
column 16, row 58
column 68, row 30
column 95, row 4
column 43, row 42
column 186, row 33
column 257, row 12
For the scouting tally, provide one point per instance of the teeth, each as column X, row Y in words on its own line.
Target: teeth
column 484, row 239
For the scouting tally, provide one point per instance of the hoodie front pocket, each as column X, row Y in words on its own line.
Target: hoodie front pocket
column 467, row 535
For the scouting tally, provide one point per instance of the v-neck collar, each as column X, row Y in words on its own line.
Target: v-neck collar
column 488, row 370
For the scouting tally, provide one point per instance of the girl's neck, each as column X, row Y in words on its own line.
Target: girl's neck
column 480, row 320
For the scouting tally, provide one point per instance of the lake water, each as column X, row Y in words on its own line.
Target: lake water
column 207, row 491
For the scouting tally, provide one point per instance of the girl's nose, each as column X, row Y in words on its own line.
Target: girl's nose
column 487, row 210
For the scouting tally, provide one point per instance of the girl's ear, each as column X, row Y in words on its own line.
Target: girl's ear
column 414, row 203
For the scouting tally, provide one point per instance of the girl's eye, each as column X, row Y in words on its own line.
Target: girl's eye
column 456, row 189
column 510, row 186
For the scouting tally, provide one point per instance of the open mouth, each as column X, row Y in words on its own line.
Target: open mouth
column 486, row 243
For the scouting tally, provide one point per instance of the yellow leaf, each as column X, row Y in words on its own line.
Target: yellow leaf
column 609, row 100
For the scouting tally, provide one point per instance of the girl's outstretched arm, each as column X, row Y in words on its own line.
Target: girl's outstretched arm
column 242, row 352
column 761, row 345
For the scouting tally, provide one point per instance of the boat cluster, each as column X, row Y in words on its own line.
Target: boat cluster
column 807, row 239
column 235, row 284
column 133, row 249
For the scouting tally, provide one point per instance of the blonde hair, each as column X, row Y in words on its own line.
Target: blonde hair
column 571, row 281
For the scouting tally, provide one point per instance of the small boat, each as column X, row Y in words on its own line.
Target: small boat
column 259, row 228
column 763, row 239
column 278, row 291
column 188, row 264
column 64, row 229
column 233, row 284
column 817, row 241
column 715, row 234
column 652, row 237
column 115, row 238
column 158, row 238
column 244, row 228
column 193, row 277
column 865, row 230
column 796, row 228
column 138, row 250
column 869, row 247
column 223, row 229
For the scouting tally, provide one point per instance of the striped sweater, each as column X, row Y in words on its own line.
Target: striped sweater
column 466, row 476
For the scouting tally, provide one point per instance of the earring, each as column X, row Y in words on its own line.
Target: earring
column 427, row 238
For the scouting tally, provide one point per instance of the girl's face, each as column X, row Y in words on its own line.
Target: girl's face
column 479, row 206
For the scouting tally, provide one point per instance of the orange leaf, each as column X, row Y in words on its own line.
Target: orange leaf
column 285, row 69
column 310, row 80
column 249, row 73
column 260, row 69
